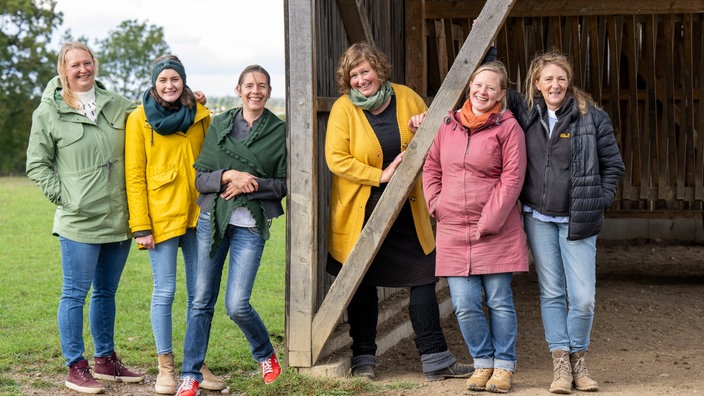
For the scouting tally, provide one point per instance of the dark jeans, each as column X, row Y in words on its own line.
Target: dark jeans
column 363, row 313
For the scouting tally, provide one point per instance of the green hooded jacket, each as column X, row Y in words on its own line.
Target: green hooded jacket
column 80, row 165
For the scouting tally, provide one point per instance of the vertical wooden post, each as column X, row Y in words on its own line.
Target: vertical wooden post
column 302, row 201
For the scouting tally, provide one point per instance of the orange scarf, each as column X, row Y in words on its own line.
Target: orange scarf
column 472, row 121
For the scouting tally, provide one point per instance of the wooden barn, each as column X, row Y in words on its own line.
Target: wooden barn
column 638, row 59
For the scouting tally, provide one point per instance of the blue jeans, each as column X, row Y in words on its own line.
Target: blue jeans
column 490, row 346
column 567, row 277
column 163, row 259
column 86, row 264
column 245, row 247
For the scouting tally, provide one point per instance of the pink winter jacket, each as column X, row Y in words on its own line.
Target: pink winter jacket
column 471, row 184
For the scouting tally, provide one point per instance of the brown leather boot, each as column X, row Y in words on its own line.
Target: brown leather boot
column 166, row 379
column 562, row 372
column 580, row 374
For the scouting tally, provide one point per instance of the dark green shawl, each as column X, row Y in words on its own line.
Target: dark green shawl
column 262, row 154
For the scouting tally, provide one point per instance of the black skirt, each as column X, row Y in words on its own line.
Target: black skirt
column 400, row 261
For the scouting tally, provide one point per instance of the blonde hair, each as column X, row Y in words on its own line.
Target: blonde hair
column 500, row 70
column 66, row 91
column 356, row 54
column 554, row 57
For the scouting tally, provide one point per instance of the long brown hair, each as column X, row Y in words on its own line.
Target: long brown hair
column 187, row 98
column 66, row 91
column 554, row 57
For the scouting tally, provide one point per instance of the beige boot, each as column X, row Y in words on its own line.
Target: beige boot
column 562, row 372
column 580, row 374
column 479, row 378
column 211, row 382
column 166, row 379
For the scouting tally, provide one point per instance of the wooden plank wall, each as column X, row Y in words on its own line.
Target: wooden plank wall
column 644, row 69
column 332, row 41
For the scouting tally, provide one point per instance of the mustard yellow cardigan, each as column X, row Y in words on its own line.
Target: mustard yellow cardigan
column 355, row 158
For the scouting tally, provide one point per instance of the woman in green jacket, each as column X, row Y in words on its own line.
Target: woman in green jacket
column 76, row 156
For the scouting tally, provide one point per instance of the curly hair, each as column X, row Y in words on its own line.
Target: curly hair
column 356, row 54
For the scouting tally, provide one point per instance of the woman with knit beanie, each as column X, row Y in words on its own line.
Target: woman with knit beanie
column 163, row 139
column 472, row 178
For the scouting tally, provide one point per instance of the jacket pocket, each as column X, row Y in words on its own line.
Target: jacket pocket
column 70, row 133
column 161, row 179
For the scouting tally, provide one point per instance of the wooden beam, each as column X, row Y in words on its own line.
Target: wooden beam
column 416, row 47
column 548, row 8
column 302, row 201
column 451, row 91
column 354, row 17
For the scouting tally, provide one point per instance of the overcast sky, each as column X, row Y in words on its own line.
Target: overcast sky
column 215, row 39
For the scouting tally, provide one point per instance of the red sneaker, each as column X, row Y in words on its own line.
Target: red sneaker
column 81, row 380
column 271, row 369
column 110, row 368
column 189, row 387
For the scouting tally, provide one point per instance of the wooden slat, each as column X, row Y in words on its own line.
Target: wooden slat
column 542, row 8
column 685, row 175
column 354, row 17
column 699, row 56
column 636, row 146
column 650, row 149
column 488, row 23
column 416, row 48
column 614, row 29
column 441, row 47
column 668, row 138
column 302, row 202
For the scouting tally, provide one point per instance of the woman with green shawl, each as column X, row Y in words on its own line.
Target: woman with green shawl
column 241, row 177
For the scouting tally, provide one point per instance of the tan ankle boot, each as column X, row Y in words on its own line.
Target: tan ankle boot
column 166, row 379
column 562, row 372
column 210, row 381
column 580, row 374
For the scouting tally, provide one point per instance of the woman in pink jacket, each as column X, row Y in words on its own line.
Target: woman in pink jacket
column 472, row 179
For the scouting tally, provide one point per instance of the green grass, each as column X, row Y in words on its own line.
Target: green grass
column 30, row 287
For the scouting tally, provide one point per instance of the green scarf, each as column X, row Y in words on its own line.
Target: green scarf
column 262, row 153
column 373, row 102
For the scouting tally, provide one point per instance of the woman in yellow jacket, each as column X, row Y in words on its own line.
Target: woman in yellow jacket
column 163, row 139
column 367, row 133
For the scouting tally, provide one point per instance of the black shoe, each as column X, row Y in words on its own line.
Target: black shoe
column 365, row 372
column 455, row 370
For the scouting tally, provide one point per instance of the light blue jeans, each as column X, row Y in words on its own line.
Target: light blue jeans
column 245, row 247
column 163, row 259
column 490, row 346
column 85, row 265
column 567, row 277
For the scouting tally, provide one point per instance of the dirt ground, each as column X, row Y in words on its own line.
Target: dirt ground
column 647, row 337
column 646, row 340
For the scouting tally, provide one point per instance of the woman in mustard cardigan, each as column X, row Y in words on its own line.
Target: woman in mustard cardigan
column 367, row 132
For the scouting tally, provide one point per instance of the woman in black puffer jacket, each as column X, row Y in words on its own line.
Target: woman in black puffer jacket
column 574, row 167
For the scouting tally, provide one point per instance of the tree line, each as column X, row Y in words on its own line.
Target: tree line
column 28, row 61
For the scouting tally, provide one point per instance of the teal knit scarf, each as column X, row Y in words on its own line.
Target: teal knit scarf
column 167, row 121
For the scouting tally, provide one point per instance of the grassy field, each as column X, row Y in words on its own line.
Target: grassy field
column 30, row 287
